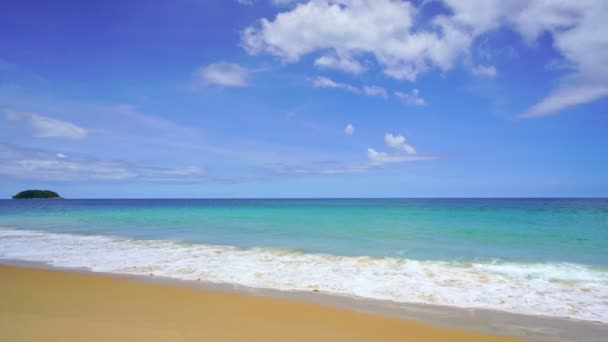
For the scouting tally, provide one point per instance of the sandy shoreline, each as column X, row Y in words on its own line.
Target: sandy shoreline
column 53, row 305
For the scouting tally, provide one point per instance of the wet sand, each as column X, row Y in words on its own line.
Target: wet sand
column 54, row 305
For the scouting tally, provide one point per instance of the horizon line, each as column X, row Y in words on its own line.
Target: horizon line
column 313, row 198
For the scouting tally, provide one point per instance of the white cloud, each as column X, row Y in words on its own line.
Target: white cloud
column 398, row 143
column 347, row 64
column 404, row 152
column 375, row 91
column 60, row 155
column 223, row 74
column 412, row 99
column 384, row 30
column 484, row 71
column 352, row 28
column 46, row 127
column 324, row 82
column 349, row 129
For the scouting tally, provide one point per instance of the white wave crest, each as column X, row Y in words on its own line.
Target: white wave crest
column 554, row 289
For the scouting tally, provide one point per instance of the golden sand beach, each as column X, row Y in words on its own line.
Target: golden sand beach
column 51, row 305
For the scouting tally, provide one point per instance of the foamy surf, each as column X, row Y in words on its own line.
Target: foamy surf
column 553, row 289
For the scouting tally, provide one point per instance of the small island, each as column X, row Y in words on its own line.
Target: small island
column 34, row 194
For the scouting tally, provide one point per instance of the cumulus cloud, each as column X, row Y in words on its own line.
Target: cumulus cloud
column 413, row 98
column 345, row 31
column 351, row 28
column 398, row 142
column 484, row 71
column 349, row 129
column 47, row 127
column 223, row 74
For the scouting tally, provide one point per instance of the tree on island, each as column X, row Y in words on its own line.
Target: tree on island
column 30, row 194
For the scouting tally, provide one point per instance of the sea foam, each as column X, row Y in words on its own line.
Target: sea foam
column 553, row 289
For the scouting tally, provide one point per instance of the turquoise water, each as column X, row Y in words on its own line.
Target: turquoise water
column 527, row 230
column 535, row 256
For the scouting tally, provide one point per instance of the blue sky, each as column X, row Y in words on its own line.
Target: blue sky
column 321, row 98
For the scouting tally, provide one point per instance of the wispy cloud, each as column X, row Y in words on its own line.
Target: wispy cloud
column 40, row 165
column 484, row 71
column 380, row 158
column 564, row 97
column 324, row 82
column 375, row 91
column 223, row 74
column 344, row 63
column 47, row 127
column 413, row 98
column 22, row 163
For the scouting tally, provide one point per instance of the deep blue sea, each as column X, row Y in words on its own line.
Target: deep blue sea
column 538, row 256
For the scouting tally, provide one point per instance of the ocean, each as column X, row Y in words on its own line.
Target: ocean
column 531, row 256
